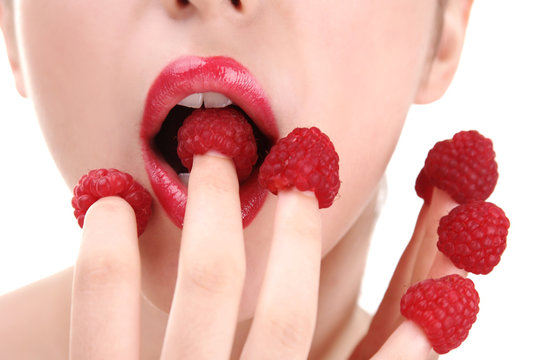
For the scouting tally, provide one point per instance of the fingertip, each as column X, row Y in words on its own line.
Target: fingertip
column 213, row 195
column 443, row 266
column 111, row 204
column 419, row 340
column 408, row 341
column 306, row 198
column 213, row 172
column 110, row 211
column 299, row 210
column 441, row 202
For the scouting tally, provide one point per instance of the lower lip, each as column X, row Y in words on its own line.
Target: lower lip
column 170, row 191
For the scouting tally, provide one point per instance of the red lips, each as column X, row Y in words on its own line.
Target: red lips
column 184, row 77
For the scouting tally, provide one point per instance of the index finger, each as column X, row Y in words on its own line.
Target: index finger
column 106, row 290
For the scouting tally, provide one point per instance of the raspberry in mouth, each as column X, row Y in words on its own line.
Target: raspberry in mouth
column 191, row 82
column 165, row 142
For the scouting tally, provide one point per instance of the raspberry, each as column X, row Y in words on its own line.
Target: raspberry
column 464, row 166
column 225, row 130
column 473, row 236
column 306, row 159
column 445, row 308
column 111, row 182
column 424, row 187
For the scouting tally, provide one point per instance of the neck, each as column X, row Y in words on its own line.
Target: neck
column 342, row 270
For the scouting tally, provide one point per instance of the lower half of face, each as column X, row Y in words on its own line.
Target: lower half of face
column 350, row 68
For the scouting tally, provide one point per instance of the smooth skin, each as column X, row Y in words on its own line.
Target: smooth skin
column 286, row 285
column 106, row 294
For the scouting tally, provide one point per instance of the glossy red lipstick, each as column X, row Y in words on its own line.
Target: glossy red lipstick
column 179, row 79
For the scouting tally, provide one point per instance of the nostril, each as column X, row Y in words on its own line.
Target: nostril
column 183, row 3
column 236, row 3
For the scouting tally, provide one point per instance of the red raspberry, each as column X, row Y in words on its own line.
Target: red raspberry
column 111, row 182
column 474, row 236
column 445, row 308
column 225, row 130
column 424, row 187
column 464, row 166
column 306, row 159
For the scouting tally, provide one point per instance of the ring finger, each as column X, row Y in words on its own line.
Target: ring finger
column 285, row 318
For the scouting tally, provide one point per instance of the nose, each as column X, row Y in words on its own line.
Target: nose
column 206, row 8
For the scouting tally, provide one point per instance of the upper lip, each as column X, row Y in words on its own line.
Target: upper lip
column 190, row 75
column 179, row 79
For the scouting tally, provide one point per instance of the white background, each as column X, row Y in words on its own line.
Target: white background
column 493, row 92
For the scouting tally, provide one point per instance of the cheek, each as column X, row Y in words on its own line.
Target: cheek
column 70, row 57
column 364, row 82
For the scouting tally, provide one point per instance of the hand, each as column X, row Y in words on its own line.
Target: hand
column 389, row 335
column 106, row 293
column 105, row 322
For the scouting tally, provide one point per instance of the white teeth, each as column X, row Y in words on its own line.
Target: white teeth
column 215, row 100
column 192, row 101
column 210, row 100
column 184, row 177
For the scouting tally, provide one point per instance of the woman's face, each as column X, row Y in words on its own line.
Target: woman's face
column 351, row 68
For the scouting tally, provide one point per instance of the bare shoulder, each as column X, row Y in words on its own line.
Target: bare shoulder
column 35, row 319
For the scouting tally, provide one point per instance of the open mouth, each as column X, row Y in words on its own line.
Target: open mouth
column 165, row 142
column 187, row 84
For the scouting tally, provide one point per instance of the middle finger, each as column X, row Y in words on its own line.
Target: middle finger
column 211, row 267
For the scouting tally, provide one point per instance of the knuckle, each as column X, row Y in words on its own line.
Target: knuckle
column 291, row 330
column 104, row 266
column 215, row 276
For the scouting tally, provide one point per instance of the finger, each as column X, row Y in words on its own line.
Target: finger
column 211, row 267
column 414, row 266
column 106, row 289
column 387, row 318
column 439, row 265
column 407, row 342
column 443, row 266
column 441, row 204
column 285, row 317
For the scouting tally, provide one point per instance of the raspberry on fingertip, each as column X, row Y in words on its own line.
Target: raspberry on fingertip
column 445, row 308
column 101, row 183
column 305, row 159
column 474, row 236
column 464, row 166
column 223, row 130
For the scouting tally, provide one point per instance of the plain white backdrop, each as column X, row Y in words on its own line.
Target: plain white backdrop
column 493, row 92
